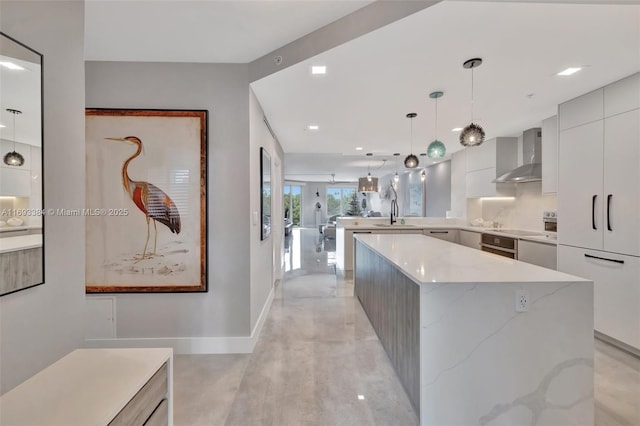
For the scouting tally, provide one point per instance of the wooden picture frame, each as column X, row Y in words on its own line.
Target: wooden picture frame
column 146, row 205
column 265, row 194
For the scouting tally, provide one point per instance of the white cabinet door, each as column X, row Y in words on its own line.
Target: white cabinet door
column 550, row 155
column 622, row 183
column 581, row 110
column 479, row 183
column 622, row 96
column 470, row 239
column 481, row 157
column 580, row 200
column 616, row 290
column 450, row 235
column 540, row 254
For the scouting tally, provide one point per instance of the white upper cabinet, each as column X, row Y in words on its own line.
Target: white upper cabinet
column 488, row 161
column 550, row 155
column 581, row 110
column 459, row 183
column 622, row 96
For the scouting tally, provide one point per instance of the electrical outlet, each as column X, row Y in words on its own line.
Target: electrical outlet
column 522, row 301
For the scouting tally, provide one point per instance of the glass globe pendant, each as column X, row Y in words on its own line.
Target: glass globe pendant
column 436, row 149
column 411, row 162
column 14, row 158
column 473, row 134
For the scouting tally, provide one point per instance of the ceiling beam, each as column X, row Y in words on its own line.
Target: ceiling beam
column 362, row 21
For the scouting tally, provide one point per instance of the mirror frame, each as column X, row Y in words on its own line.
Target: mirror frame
column 42, row 210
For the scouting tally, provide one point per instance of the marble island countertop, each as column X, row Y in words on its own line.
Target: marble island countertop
column 428, row 260
column 24, row 242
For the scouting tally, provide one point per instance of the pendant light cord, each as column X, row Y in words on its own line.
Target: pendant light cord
column 436, row 118
column 14, row 132
column 472, row 99
column 411, row 142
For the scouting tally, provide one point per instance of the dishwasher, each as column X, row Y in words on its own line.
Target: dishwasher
column 500, row 245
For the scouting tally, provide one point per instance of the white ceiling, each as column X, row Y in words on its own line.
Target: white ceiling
column 373, row 81
column 231, row 31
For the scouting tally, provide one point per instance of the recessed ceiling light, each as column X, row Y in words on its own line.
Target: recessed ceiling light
column 359, row 148
column 569, row 71
column 11, row 65
column 318, row 69
column 361, row 397
column 313, row 127
column 2, row 125
column 456, row 129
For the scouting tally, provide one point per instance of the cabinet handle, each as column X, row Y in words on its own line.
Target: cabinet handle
column 609, row 212
column 361, row 232
column 438, row 232
column 593, row 212
column 604, row 258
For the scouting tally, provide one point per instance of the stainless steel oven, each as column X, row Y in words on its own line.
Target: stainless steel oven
column 500, row 245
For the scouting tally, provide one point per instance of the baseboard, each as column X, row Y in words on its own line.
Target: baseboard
column 193, row 345
column 617, row 343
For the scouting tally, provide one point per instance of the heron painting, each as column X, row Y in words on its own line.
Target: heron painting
column 146, row 201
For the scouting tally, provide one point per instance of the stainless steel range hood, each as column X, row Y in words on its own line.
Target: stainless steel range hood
column 531, row 170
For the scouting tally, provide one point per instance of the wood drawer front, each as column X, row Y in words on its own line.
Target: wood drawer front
column 143, row 404
column 160, row 417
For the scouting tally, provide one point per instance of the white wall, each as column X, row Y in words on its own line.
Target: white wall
column 223, row 90
column 265, row 255
column 41, row 324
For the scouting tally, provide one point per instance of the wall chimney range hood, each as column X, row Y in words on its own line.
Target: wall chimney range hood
column 531, row 169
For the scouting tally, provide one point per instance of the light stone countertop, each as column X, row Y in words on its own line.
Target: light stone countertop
column 86, row 387
column 428, row 260
column 547, row 237
column 20, row 243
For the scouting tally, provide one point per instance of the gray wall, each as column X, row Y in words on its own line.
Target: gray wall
column 44, row 323
column 223, row 90
column 438, row 194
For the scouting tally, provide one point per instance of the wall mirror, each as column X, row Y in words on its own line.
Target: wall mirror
column 265, row 191
column 21, row 186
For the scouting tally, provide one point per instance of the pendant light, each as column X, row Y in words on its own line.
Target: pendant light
column 396, row 177
column 368, row 183
column 436, row 149
column 411, row 162
column 473, row 134
column 14, row 158
column 423, row 175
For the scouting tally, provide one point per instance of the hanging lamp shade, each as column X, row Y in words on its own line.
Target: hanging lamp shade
column 436, row 149
column 473, row 134
column 411, row 161
column 368, row 183
column 14, row 158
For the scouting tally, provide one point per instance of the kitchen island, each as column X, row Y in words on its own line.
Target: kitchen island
column 449, row 319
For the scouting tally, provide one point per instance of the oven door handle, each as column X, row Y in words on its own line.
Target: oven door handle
column 504, row 249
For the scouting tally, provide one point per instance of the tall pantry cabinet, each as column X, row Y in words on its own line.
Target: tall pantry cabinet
column 599, row 203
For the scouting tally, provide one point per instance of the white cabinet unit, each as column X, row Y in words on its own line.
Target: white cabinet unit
column 599, row 184
column 616, row 290
column 450, row 235
column 622, row 96
column 580, row 186
column 459, row 183
column 621, row 196
column 550, row 155
column 470, row 239
column 15, row 182
column 581, row 110
column 488, row 161
column 538, row 253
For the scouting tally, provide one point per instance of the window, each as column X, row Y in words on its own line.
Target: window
column 338, row 200
column 292, row 202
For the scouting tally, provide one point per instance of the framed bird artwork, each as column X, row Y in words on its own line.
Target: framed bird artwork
column 146, row 201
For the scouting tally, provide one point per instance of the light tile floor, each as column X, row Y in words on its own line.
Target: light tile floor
column 318, row 352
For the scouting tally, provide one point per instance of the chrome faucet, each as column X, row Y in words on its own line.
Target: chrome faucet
column 394, row 205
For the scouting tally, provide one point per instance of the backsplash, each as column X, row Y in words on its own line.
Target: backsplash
column 523, row 212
